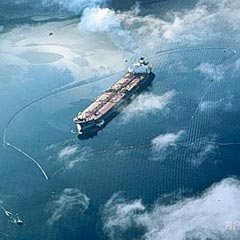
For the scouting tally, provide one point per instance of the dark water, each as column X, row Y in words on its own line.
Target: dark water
column 120, row 157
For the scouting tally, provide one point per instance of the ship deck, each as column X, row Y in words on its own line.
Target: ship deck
column 110, row 98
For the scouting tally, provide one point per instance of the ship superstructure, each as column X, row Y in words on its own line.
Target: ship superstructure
column 108, row 104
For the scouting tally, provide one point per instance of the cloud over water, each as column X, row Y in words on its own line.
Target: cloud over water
column 204, row 217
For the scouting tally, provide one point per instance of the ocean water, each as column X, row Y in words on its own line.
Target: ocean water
column 175, row 140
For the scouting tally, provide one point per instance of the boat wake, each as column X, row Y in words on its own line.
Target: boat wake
column 13, row 218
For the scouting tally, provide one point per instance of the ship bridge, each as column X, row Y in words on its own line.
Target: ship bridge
column 140, row 67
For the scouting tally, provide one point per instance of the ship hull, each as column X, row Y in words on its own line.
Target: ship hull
column 92, row 127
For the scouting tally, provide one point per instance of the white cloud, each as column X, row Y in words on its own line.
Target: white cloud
column 82, row 155
column 202, row 150
column 206, row 151
column 204, row 217
column 67, row 151
column 147, row 103
column 211, row 71
column 225, row 104
column 99, row 20
column 209, row 105
column 73, row 155
column 70, row 199
column 105, row 20
column 112, row 31
column 119, row 215
column 199, row 151
column 207, row 20
column 163, row 141
column 177, row 27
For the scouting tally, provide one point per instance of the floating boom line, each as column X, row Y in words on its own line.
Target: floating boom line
column 29, row 157
column 56, row 91
column 82, row 83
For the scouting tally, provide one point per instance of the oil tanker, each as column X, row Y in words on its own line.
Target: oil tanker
column 114, row 99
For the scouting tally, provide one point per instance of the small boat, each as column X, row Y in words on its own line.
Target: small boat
column 19, row 222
